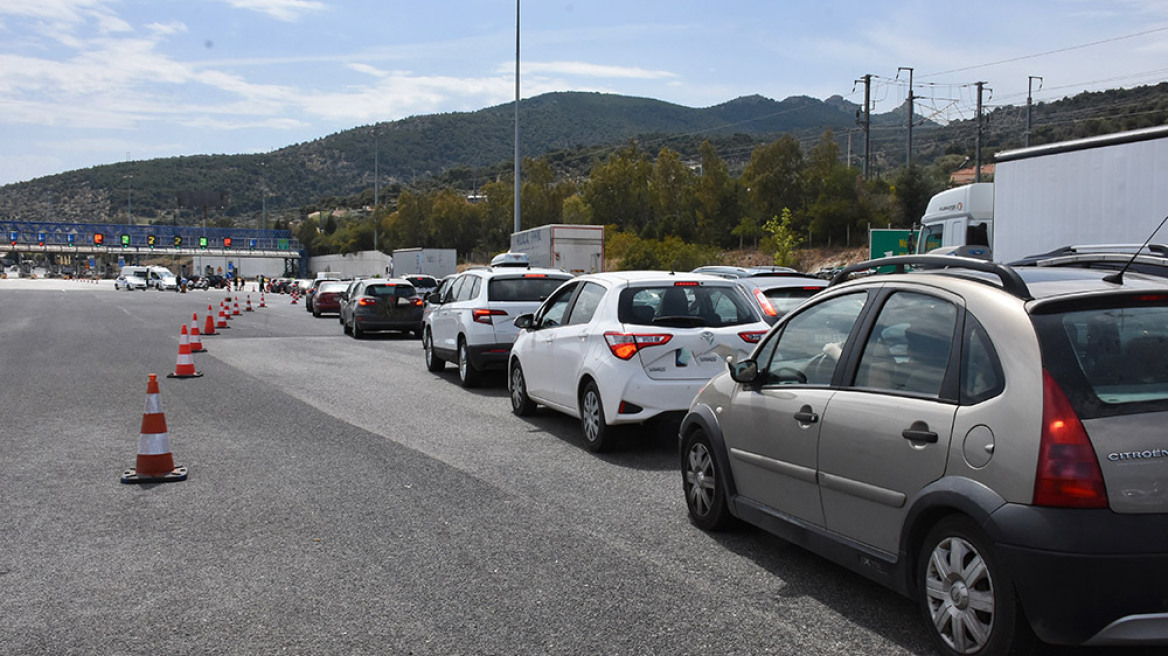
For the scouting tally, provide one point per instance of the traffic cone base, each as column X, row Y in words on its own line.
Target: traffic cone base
column 155, row 462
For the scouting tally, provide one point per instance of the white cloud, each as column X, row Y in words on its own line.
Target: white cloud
column 584, row 69
column 285, row 10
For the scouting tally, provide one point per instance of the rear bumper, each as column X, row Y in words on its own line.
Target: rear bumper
column 489, row 356
column 377, row 323
column 643, row 398
column 1107, row 584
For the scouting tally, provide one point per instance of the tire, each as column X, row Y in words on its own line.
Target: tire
column 316, row 314
column 705, row 488
column 433, row 362
column 521, row 403
column 966, row 597
column 597, row 433
column 467, row 374
column 357, row 332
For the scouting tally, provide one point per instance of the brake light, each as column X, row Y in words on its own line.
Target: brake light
column 486, row 316
column 752, row 336
column 687, row 283
column 626, row 345
column 365, row 301
column 535, row 275
column 1152, row 298
column 765, row 302
column 417, row 301
column 1068, row 473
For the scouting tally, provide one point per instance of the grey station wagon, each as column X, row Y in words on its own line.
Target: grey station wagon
column 987, row 440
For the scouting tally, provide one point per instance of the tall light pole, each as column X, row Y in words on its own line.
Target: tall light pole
column 516, row 116
column 908, row 156
column 129, row 200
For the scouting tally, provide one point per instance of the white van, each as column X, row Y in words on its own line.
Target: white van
column 133, row 277
column 162, row 278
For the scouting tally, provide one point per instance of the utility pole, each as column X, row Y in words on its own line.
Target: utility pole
column 866, row 122
column 908, row 156
column 1029, row 102
column 376, row 183
column 977, row 151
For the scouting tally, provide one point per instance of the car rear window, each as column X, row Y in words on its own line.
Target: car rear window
column 527, row 287
column 684, row 305
column 1109, row 359
column 391, row 291
column 333, row 287
column 785, row 299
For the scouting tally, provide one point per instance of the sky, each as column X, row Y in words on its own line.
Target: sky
column 91, row 82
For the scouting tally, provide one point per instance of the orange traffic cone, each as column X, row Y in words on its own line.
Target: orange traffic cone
column 196, row 340
column 185, row 367
column 262, row 304
column 209, row 326
column 249, row 308
column 294, row 297
column 155, row 462
column 221, row 322
column 235, row 311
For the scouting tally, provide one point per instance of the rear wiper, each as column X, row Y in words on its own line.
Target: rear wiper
column 681, row 321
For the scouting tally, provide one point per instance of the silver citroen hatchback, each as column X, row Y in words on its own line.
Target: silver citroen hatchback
column 987, row 440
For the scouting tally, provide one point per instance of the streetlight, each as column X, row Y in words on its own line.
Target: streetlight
column 376, row 184
column 516, row 115
column 129, row 202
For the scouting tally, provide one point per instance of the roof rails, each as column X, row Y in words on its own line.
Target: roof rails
column 1012, row 283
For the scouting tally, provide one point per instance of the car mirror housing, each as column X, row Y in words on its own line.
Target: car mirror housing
column 745, row 372
column 524, row 321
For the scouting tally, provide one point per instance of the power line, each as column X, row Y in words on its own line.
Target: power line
column 1050, row 52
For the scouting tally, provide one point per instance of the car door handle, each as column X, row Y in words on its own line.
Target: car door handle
column 806, row 415
column 919, row 432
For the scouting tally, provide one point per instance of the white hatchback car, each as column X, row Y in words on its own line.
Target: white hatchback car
column 626, row 347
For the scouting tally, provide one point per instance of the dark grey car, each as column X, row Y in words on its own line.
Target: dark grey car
column 377, row 305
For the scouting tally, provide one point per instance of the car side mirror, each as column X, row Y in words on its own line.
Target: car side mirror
column 745, row 372
column 524, row 321
column 434, row 298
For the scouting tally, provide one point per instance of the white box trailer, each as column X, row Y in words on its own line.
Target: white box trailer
column 577, row 249
column 1102, row 190
column 437, row 262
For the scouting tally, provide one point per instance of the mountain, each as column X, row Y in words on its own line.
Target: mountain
column 571, row 129
column 411, row 151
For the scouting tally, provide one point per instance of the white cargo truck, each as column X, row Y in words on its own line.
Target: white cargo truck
column 1105, row 190
column 437, row 262
column 576, row 249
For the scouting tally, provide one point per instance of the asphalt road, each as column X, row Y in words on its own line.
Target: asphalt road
column 343, row 500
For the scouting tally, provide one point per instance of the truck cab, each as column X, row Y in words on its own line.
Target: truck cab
column 959, row 221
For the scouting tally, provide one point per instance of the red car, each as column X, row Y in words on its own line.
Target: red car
column 327, row 298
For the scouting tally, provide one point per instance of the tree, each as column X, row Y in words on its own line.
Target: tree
column 716, row 202
column 784, row 237
column 671, row 195
column 618, row 189
column 773, row 177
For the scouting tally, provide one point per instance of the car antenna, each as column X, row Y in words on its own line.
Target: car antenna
column 1117, row 277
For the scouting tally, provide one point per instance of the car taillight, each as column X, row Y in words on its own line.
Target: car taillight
column 626, row 345
column 1068, row 474
column 366, row 301
column 417, row 301
column 752, row 336
column 765, row 302
column 687, row 283
column 486, row 316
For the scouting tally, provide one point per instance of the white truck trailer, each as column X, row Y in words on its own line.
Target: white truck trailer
column 437, row 262
column 576, row 249
column 1104, row 190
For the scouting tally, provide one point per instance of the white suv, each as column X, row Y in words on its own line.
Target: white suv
column 626, row 347
column 472, row 321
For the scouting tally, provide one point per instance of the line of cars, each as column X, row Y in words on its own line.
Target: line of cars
column 981, row 438
column 368, row 305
